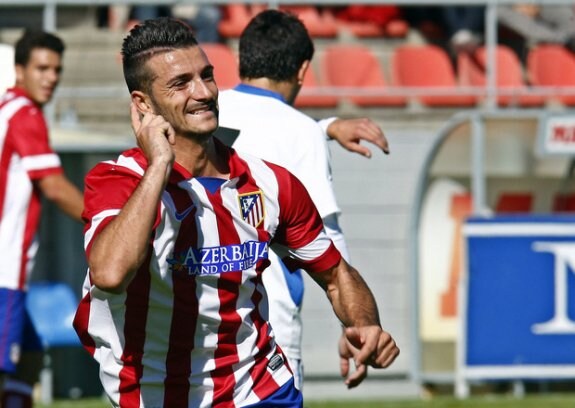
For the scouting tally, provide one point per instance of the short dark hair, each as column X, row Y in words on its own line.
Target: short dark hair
column 33, row 39
column 274, row 45
column 147, row 39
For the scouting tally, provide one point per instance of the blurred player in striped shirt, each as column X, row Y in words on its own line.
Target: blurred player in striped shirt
column 29, row 169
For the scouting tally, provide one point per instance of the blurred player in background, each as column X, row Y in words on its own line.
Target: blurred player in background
column 29, row 169
column 275, row 51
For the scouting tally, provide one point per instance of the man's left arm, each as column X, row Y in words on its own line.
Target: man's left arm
column 349, row 133
column 355, row 306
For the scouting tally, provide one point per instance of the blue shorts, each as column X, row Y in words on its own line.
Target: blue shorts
column 17, row 333
column 288, row 396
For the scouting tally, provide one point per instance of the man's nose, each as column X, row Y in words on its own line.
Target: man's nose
column 200, row 89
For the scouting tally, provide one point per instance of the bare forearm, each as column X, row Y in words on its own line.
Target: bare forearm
column 351, row 298
column 71, row 201
column 119, row 249
column 58, row 189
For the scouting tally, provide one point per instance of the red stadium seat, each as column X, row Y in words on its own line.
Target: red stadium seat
column 355, row 66
column 318, row 24
column 553, row 66
column 235, row 18
column 471, row 70
column 307, row 99
column 225, row 64
column 428, row 66
column 514, row 203
column 564, row 203
column 369, row 20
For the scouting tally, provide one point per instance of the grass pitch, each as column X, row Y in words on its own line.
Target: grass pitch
column 488, row 401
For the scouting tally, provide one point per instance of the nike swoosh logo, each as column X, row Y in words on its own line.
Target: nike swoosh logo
column 181, row 215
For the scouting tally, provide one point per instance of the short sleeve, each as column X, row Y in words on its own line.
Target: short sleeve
column 28, row 135
column 300, row 239
column 107, row 189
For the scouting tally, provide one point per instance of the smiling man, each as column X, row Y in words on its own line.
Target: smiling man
column 177, row 238
column 29, row 169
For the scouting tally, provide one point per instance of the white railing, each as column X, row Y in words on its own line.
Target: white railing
column 491, row 91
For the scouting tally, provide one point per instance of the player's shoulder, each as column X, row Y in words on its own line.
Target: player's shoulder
column 20, row 107
column 131, row 163
column 254, row 163
column 228, row 96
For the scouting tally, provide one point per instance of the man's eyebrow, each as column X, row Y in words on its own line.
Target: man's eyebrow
column 180, row 77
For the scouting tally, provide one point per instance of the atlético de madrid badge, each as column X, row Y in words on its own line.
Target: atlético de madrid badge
column 252, row 207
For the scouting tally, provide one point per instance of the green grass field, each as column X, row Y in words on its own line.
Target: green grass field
column 544, row 401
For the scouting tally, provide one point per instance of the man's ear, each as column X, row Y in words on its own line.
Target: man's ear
column 142, row 102
column 19, row 71
column 302, row 70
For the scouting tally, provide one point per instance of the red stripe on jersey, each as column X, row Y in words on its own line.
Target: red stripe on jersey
column 108, row 186
column 300, row 222
column 81, row 320
column 136, row 314
column 32, row 220
column 262, row 326
column 330, row 258
column 228, row 288
column 185, row 310
column 264, row 383
column 38, row 174
column 4, row 166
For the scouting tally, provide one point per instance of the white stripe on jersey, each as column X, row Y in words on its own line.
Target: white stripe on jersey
column 7, row 112
column 14, row 209
column 127, row 162
column 266, row 180
column 95, row 223
column 311, row 251
column 13, row 226
column 41, row 161
column 101, row 306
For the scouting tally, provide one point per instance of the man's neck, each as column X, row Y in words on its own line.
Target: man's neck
column 200, row 157
column 284, row 88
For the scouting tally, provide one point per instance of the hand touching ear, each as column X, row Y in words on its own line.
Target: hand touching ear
column 154, row 135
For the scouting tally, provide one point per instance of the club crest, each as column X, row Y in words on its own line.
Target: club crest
column 252, row 207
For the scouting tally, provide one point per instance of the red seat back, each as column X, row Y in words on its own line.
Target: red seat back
column 472, row 71
column 553, row 66
column 355, row 66
column 428, row 66
column 225, row 64
column 306, row 97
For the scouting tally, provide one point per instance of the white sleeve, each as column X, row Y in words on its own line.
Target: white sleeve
column 324, row 124
column 310, row 162
column 335, row 233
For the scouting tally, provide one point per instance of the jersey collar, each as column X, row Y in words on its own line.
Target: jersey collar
column 238, row 169
column 254, row 90
column 20, row 92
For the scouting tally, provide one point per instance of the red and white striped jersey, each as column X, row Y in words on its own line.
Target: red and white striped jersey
column 191, row 330
column 25, row 156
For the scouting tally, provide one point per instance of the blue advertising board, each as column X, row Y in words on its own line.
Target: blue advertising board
column 518, row 298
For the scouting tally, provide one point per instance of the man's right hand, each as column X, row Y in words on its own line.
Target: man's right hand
column 154, row 135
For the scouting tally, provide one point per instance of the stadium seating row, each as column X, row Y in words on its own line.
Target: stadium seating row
column 517, row 203
column 426, row 73
column 320, row 24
